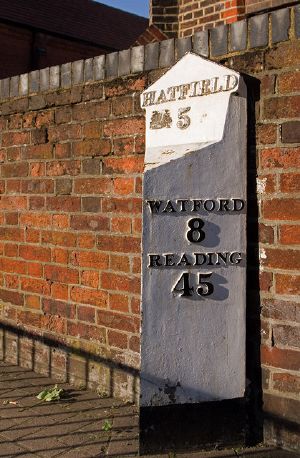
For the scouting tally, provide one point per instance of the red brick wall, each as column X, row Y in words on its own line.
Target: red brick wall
column 71, row 220
column 196, row 15
column 71, row 165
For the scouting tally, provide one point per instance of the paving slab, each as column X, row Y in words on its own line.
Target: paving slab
column 72, row 427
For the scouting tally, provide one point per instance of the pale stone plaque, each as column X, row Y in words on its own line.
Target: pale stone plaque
column 194, row 236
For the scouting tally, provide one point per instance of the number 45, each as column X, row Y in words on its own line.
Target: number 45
column 203, row 288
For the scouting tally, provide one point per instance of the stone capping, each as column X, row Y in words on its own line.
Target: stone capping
column 259, row 31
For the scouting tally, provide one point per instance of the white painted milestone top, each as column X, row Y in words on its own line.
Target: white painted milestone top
column 190, row 116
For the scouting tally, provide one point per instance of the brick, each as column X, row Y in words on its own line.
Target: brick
column 35, row 253
column 289, row 82
column 286, row 335
column 289, row 235
column 297, row 20
column 119, row 263
column 44, row 118
column 32, row 302
column 61, row 274
column 280, row 309
column 37, row 169
column 35, row 286
column 15, row 138
column 284, row 408
column 89, row 296
column 60, row 221
column 92, row 129
column 281, row 209
column 37, row 186
column 62, row 150
column 85, row 313
column 286, row 383
column 90, row 259
column 131, row 205
column 117, row 321
column 281, row 259
column 63, row 115
column 12, row 297
column 290, row 182
column 123, row 165
column 12, row 219
column 86, row 331
column 59, row 291
column 118, row 244
column 91, row 204
column 64, row 203
column 278, row 357
column 39, row 151
column 91, row 166
column 287, row 284
column 59, row 256
column 290, row 132
column 118, row 302
column 123, row 146
column 265, row 281
column 90, row 278
column 93, row 186
column 13, row 203
column 125, row 126
column 123, row 186
column 54, row 324
column 92, row 147
column 283, row 56
column 282, row 107
column 280, row 157
column 35, row 269
column 111, row 281
column 36, row 203
column 89, row 223
column 266, row 134
column 13, row 266
column 121, row 224
column 63, row 186
column 64, row 132
column 39, row 136
column 65, row 239
column 14, row 170
column 117, row 339
column 266, row 233
column 60, row 168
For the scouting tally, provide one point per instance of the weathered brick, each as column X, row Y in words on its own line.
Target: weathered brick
column 290, row 132
column 114, row 282
column 286, row 383
column 125, row 126
column 282, row 107
column 279, row 357
column 61, row 274
column 287, row 284
column 117, row 321
column 280, row 157
column 86, row 313
column 290, row 182
column 64, row 203
column 14, row 170
column 35, row 253
column 94, row 147
column 289, row 235
column 89, row 296
column 59, row 168
column 90, row 259
column 281, row 209
column 65, row 239
column 89, row 223
column 117, row 339
column 93, row 186
column 126, row 165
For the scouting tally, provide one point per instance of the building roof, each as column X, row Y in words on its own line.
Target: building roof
column 150, row 35
column 80, row 19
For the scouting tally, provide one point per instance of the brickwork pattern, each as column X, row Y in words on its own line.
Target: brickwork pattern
column 72, row 143
column 206, row 14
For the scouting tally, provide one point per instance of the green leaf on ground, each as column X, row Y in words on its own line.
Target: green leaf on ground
column 106, row 425
column 50, row 394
